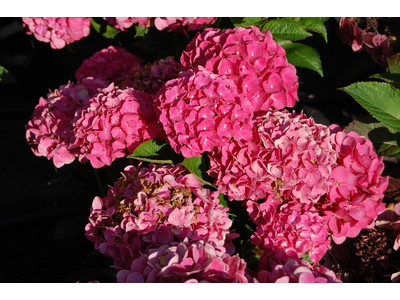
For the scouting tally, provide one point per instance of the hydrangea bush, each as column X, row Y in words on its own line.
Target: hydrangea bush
column 209, row 142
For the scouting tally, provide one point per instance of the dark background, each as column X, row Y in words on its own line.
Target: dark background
column 43, row 212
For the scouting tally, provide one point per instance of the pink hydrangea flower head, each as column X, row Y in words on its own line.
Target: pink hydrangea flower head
column 113, row 124
column 154, row 75
column 124, row 23
column 252, row 59
column 354, row 199
column 181, row 24
column 186, row 261
column 50, row 130
column 293, row 271
column 200, row 111
column 57, row 31
column 154, row 206
column 112, row 64
column 289, row 157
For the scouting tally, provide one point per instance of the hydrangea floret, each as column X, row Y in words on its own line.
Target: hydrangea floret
column 124, row 23
column 252, row 59
column 57, row 31
column 155, row 206
column 186, row 261
column 181, row 24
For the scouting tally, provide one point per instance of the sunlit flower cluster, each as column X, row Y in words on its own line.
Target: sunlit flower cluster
column 155, row 206
column 57, row 31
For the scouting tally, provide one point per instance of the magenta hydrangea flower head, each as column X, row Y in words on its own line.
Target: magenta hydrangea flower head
column 293, row 271
column 57, row 31
column 354, row 199
column 179, row 24
column 154, row 206
column 201, row 110
column 112, row 64
column 186, row 261
column 124, row 23
column 50, row 131
column 154, row 75
column 292, row 229
column 113, row 124
column 252, row 59
column 289, row 157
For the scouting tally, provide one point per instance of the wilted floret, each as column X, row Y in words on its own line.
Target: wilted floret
column 155, row 206
column 187, row 261
column 253, row 60
column 57, row 31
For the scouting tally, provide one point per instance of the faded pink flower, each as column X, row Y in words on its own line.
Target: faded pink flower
column 293, row 271
column 112, row 64
column 181, row 24
column 351, row 34
column 378, row 45
column 57, row 31
column 187, row 261
column 123, row 23
column 251, row 59
column 50, row 131
column 200, row 111
column 155, row 206
column 390, row 219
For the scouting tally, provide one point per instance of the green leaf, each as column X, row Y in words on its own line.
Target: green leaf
column 141, row 31
column 307, row 258
column 386, row 141
column 394, row 63
column 150, row 148
column 315, row 25
column 393, row 79
column 6, row 77
column 222, row 200
column 286, row 29
column 381, row 100
column 103, row 27
column 197, row 166
column 304, row 56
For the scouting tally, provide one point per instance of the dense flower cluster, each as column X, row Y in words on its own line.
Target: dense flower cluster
column 50, row 131
column 113, row 124
column 201, row 110
column 187, row 261
column 112, row 64
column 250, row 58
column 355, row 197
column 57, row 31
column 123, row 23
column 378, row 45
column 293, row 271
column 155, row 206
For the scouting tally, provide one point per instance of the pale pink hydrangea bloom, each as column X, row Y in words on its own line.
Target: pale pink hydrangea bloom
column 292, row 229
column 113, row 124
column 124, row 23
column 293, row 271
column 288, row 157
column 200, row 111
column 112, row 64
column 180, row 23
column 57, row 31
column 187, row 261
column 150, row 207
column 252, row 59
column 50, row 131
column 355, row 198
